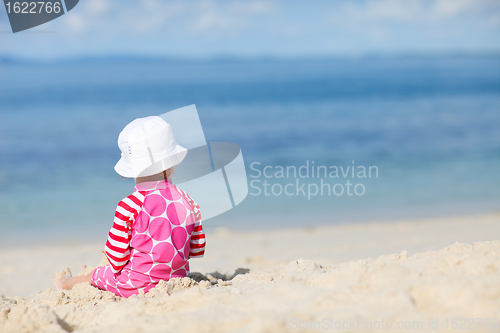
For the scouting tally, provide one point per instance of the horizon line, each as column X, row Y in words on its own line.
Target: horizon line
column 240, row 58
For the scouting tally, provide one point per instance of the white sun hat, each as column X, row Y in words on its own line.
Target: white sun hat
column 148, row 147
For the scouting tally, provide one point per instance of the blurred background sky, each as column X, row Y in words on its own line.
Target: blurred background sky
column 274, row 28
column 411, row 86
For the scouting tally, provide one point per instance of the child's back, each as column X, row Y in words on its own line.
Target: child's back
column 156, row 230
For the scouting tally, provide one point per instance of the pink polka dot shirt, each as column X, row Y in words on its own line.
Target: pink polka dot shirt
column 156, row 230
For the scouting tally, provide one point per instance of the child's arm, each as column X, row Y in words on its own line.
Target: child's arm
column 198, row 235
column 117, row 248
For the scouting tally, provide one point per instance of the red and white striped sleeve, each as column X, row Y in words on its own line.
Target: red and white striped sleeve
column 198, row 235
column 118, row 244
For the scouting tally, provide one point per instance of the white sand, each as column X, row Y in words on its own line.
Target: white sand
column 421, row 278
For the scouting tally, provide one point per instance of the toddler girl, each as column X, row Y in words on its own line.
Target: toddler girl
column 158, row 227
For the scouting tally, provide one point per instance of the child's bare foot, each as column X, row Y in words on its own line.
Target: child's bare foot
column 60, row 278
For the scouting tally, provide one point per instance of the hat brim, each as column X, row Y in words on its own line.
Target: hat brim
column 124, row 167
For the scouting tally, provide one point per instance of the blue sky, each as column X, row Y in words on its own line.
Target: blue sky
column 256, row 28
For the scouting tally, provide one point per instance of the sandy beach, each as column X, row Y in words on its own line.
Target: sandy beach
column 433, row 275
